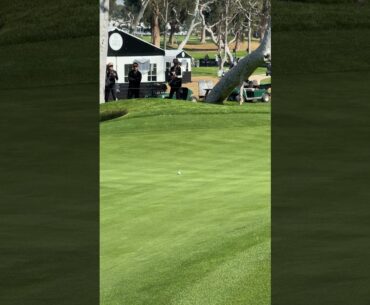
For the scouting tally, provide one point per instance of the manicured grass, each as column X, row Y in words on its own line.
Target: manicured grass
column 202, row 237
column 212, row 54
column 212, row 71
column 193, row 39
column 266, row 81
column 204, row 71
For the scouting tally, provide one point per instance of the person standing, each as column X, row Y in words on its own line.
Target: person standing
column 175, row 79
column 134, row 82
column 206, row 60
column 110, row 82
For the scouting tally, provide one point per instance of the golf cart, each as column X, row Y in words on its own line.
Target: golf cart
column 252, row 92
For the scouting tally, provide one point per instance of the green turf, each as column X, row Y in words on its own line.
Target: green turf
column 49, row 93
column 39, row 22
column 266, row 81
column 316, row 15
column 204, row 71
column 212, row 71
column 202, row 237
column 320, row 153
column 193, row 40
column 212, row 54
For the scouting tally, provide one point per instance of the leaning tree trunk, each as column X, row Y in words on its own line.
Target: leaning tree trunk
column 104, row 20
column 241, row 72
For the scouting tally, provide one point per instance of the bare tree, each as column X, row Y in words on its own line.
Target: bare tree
column 266, row 7
column 203, row 35
column 104, row 20
column 169, row 8
column 139, row 15
column 174, row 25
column 220, row 30
column 195, row 21
column 241, row 72
column 166, row 5
column 249, row 9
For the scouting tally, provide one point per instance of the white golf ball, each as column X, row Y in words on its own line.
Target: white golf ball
column 178, row 172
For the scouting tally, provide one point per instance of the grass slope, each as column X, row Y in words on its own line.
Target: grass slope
column 320, row 152
column 202, row 237
column 49, row 94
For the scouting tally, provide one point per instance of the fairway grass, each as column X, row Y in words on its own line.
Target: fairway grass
column 199, row 238
column 213, row 71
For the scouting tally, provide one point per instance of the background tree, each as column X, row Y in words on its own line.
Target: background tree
column 195, row 20
column 265, row 13
column 112, row 9
column 142, row 6
column 178, row 17
column 104, row 20
column 155, row 10
column 241, row 72
column 218, row 19
column 174, row 23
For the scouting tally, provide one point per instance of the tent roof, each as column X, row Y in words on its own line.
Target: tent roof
column 177, row 54
column 133, row 46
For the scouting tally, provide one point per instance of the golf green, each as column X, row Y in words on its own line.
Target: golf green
column 185, row 204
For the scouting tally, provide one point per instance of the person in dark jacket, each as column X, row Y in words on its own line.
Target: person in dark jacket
column 134, row 81
column 110, row 82
column 206, row 60
column 175, row 79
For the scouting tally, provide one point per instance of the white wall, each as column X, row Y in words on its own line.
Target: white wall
column 120, row 62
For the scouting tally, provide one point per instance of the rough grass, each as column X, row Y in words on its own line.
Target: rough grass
column 319, row 15
column 37, row 39
column 40, row 22
column 49, row 95
column 202, row 237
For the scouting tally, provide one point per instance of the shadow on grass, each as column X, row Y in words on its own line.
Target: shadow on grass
column 112, row 114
